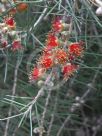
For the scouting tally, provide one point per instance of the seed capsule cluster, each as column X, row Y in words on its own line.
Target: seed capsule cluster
column 58, row 52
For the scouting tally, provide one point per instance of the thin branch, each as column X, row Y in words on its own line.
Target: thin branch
column 40, row 18
column 13, row 93
column 45, row 110
column 52, row 116
column 39, row 94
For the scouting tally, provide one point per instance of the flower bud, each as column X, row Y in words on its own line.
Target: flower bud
column 40, row 83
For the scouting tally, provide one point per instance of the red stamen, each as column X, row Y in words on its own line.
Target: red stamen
column 75, row 49
column 16, row 45
column 61, row 56
column 69, row 69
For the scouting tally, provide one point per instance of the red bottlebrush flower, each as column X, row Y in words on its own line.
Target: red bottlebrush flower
column 9, row 21
column 16, row 45
column 76, row 49
column 46, row 62
column 57, row 25
column 36, row 73
column 69, row 69
column 52, row 41
column 61, row 56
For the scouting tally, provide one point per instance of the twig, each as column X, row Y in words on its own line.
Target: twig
column 13, row 93
column 39, row 19
column 39, row 94
column 45, row 110
column 52, row 116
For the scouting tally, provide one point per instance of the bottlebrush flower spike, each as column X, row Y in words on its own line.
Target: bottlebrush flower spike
column 76, row 49
column 69, row 69
column 16, row 45
column 52, row 41
column 57, row 25
column 36, row 73
column 9, row 21
column 46, row 62
column 61, row 56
